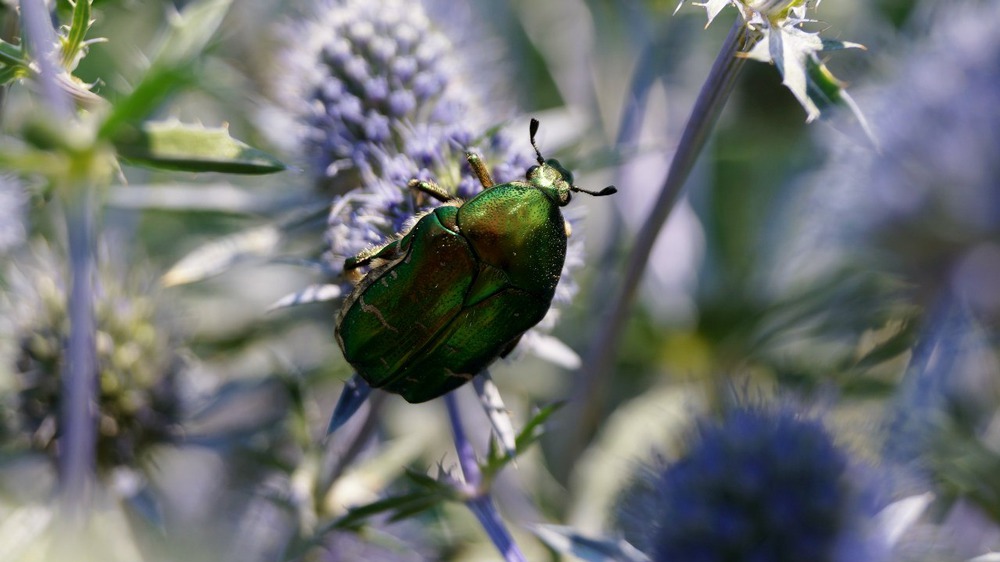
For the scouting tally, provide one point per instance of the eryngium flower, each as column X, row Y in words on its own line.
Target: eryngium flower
column 930, row 197
column 942, row 425
column 369, row 80
column 760, row 484
column 386, row 98
column 137, row 361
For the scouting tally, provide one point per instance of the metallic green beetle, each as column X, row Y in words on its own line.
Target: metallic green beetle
column 459, row 289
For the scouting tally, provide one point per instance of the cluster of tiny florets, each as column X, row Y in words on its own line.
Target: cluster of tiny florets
column 757, row 485
column 137, row 362
column 926, row 204
column 384, row 101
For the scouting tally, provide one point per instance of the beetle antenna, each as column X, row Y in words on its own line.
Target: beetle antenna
column 610, row 190
column 532, row 129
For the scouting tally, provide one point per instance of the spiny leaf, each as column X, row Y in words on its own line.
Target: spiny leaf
column 173, row 145
column 78, row 28
column 172, row 67
column 428, row 483
column 354, row 394
column 712, row 7
column 790, row 49
column 219, row 255
column 11, row 55
column 499, row 416
column 525, row 439
column 313, row 293
column 567, row 540
column 397, row 507
column 528, row 435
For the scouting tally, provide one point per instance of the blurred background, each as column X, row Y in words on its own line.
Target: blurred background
column 802, row 268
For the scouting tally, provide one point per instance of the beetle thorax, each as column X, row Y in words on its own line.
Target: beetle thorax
column 518, row 229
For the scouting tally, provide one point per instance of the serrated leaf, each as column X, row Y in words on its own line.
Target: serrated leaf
column 415, row 508
column 180, row 48
column 355, row 392
column 567, row 540
column 79, row 26
column 827, row 92
column 191, row 30
column 11, row 55
column 221, row 254
column 422, row 480
column 529, row 434
column 891, row 348
column 173, row 145
column 896, row 518
column 791, row 48
column 830, row 45
column 398, row 507
column 496, row 412
column 712, row 8
column 525, row 439
column 9, row 74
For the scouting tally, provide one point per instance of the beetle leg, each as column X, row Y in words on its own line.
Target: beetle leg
column 386, row 251
column 430, row 188
column 480, row 169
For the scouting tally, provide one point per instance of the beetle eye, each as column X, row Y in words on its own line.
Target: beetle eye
column 530, row 172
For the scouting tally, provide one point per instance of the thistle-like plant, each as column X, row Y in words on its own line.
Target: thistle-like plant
column 762, row 483
column 138, row 358
column 72, row 144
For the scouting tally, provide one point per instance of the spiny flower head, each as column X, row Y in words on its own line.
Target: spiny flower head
column 779, row 39
column 137, row 362
column 387, row 99
column 370, row 78
column 935, row 185
column 926, row 206
column 759, row 484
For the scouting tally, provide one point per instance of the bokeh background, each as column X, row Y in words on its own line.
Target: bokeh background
column 804, row 272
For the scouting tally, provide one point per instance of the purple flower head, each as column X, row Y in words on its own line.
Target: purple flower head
column 387, row 98
column 928, row 199
column 759, row 484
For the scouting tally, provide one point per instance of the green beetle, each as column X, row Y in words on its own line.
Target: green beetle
column 458, row 290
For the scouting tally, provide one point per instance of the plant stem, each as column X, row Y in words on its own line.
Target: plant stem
column 78, row 420
column 481, row 504
column 587, row 403
column 41, row 39
column 466, row 453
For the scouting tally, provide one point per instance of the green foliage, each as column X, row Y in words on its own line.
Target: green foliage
column 172, row 145
column 739, row 297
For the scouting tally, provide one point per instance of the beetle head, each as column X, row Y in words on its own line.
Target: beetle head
column 553, row 179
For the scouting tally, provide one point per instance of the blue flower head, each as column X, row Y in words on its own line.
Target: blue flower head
column 758, row 485
column 386, row 98
column 928, row 199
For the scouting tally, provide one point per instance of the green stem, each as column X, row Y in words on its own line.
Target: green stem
column 587, row 403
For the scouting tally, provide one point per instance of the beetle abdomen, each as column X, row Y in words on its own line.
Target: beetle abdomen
column 400, row 307
column 470, row 342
